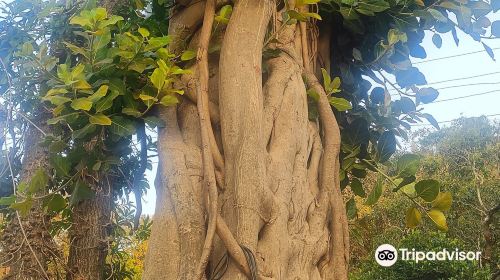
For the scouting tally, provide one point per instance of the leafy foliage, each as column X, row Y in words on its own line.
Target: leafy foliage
column 426, row 269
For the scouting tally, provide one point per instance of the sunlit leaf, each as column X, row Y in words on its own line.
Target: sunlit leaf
column 81, row 104
column 413, row 217
column 443, row 201
column 340, row 104
column 439, row 219
column 100, row 119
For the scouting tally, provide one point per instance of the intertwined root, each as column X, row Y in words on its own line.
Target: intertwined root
column 278, row 201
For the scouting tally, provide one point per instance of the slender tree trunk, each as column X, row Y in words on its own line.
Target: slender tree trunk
column 279, row 197
column 27, row 244
column 89, row 233
column 91, row 218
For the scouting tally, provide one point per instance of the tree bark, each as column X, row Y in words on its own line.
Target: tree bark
column 88, row 236
column 279, row 199
column 27, row 244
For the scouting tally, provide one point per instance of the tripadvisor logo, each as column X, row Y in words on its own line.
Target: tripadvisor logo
column 386, row 255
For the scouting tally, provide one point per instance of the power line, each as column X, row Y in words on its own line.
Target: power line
column 457, row 86
column 452, row 56
column 468, row 85
column 455, row 79
column 465, row 96
column 448, row 121
column 460, row 97
column 464, row 78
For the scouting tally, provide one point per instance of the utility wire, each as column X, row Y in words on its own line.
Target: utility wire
column 455, row 79
column 452, row 56
column 460, row 97
column 458, row 86
column 448, row 121
column 465, row 96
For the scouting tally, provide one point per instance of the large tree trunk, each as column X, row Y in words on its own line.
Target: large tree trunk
column 277, row 179
column 27, row 245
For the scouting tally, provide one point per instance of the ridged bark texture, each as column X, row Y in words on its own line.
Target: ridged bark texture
column 276, row 196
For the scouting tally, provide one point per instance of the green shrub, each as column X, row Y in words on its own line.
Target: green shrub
column 423, row 270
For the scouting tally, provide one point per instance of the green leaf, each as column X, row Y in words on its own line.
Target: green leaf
column 326, row 78
column 60, row 118
column 386, row 145
column 312, row 15
column 79, row 20
column 7, row 200
column 143, row 31
column 438, row 218
column 340, row 104
column 56, row 99
column 54, row 202
column 139, row 65
column 224, row 14
column 100, row 14
column 157, row 42
column 374, row 5
column 86, row 130
column 100, row 93
column 443, row 201
column 102, row 41
column 23, row 207
column 413, row 217
column 77, row 71
column 81, row 192
column 106, row 102
column 357, row 187
column 111, row 21
column 131, row 112
column 57, row 146
column 351, row 208
column 76, row 50
column 122, row 126
column 188, row 55
column 61, row 164
column 153, row 121
column 408, row 165
column 145, row 97
column 169, row 100
column 63, row 73
column 296, row 15
column 438, row 15
column 427, row 189
column 404, row 182
column 38, row 181
column 158, row 78
column 56, row 91
column 334, row 85
column 81, row 104
column 393, row 36
column 100, row 119
column 376, row 192
column 82, row 85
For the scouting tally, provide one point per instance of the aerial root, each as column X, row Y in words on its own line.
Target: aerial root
column 209, row 178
